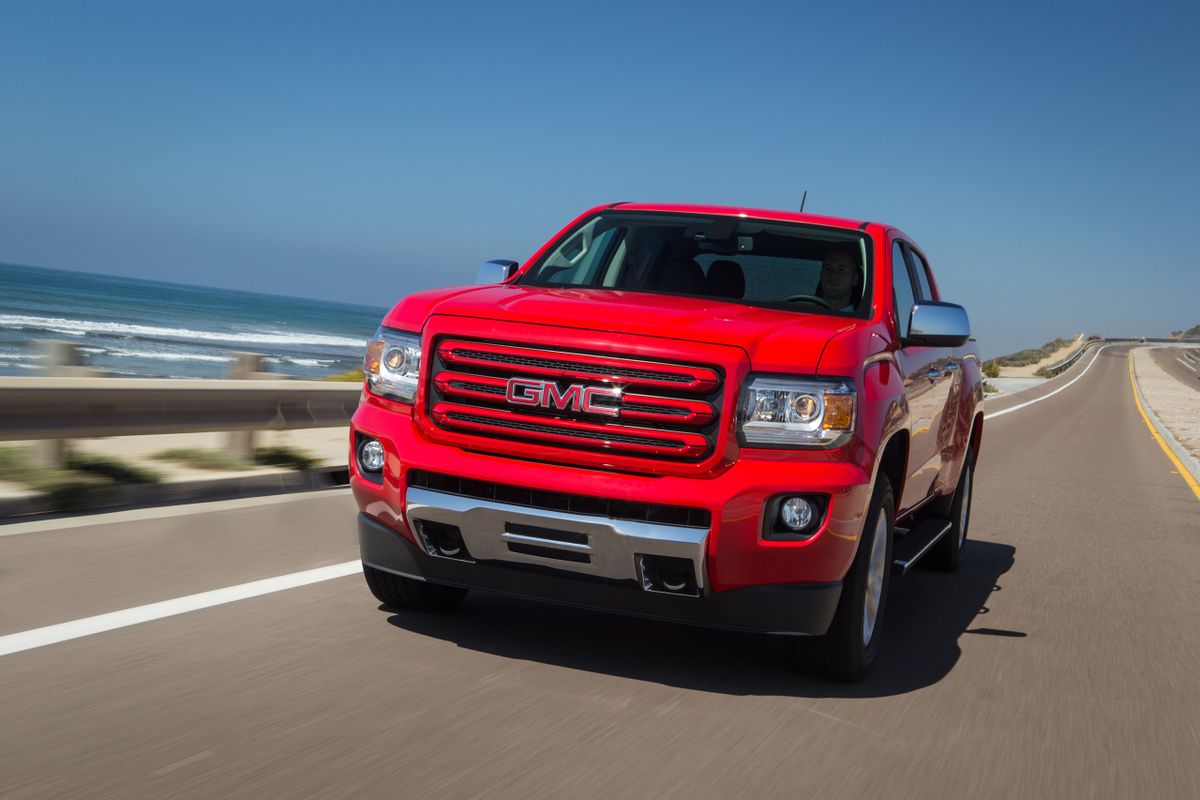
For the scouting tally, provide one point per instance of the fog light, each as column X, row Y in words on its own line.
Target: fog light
column 796, row 513
column 370, row 455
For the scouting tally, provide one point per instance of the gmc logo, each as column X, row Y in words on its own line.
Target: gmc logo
column 575, row 397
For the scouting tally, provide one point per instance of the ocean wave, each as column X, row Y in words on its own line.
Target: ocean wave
column 160, row 356
column 83, row 327
column 17, row 365
column 303, row 362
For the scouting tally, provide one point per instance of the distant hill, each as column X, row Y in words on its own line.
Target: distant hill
column 1026, row 357
column 1022, row 363
column 1191, row 333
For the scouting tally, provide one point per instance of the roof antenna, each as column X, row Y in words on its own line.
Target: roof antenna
column 802, row 199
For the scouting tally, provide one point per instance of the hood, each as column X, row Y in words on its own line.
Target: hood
column 783, row 341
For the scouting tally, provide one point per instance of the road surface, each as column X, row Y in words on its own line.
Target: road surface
column 1061, row 661
column 1178, row 365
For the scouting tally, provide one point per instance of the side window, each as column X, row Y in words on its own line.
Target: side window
column 902, row 288
column 922, row 270
column 578, row 261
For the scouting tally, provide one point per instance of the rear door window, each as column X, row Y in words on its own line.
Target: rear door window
column 922, row 271
column 902, row 287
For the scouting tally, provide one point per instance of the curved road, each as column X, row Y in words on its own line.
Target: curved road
column 1177, row 365
column 1062, row 660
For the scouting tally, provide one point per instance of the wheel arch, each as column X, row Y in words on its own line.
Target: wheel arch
column 893, row 460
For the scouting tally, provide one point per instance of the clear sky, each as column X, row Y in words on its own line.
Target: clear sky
column 1044, row 155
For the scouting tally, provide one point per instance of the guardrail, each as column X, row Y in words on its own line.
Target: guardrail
column 1065, row 364
column 65, row 408
column 68, row 403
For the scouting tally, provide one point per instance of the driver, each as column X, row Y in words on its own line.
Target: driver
column 840, row 278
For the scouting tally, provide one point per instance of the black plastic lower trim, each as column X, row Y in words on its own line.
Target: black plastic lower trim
column 799, row 609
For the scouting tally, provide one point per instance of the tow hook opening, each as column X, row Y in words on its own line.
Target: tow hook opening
column 442, row 540
column 668, row 575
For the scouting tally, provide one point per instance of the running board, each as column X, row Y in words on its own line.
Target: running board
column 909, row 547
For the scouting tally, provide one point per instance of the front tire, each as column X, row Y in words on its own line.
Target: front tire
column 848, row 648
column 399, row 592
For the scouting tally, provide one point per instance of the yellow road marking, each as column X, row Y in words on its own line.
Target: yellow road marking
column 1187, row 475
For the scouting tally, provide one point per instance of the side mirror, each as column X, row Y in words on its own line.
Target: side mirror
column 938, row 325
column 497, row 271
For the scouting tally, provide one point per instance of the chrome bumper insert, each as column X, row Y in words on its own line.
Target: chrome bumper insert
column 592, row 545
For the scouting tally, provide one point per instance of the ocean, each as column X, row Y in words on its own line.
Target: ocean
column 150, row 329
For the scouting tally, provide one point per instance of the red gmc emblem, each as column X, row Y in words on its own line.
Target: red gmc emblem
column 575, row 397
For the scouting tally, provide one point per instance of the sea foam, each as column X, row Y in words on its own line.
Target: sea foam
column 83, row 327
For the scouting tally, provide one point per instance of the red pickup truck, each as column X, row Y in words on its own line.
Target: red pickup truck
column 721, row 416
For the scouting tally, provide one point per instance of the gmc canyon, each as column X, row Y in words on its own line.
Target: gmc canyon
column 721, row 416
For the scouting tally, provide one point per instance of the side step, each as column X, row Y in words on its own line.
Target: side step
column 909, row 547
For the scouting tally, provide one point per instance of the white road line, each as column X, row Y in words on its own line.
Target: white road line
column 162, row 512
column 1186, row 364
column 1047, row 396
column 76, row 629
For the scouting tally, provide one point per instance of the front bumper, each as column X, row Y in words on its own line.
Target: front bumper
column 805, row 609
column 595, row 546
column 736, row 554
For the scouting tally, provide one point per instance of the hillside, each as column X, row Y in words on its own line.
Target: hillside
column 1191, row 333
column 1026, row 363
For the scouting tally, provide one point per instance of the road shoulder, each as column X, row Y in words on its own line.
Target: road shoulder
column 1172, row 409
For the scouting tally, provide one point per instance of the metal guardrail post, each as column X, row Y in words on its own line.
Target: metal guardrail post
column 59, row 359
column 240, row 444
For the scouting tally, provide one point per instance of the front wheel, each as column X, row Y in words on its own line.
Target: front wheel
column 400, row 592
column 848, row 648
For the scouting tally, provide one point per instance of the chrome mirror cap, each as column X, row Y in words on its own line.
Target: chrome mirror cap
column 938, row 325
column 497, row 271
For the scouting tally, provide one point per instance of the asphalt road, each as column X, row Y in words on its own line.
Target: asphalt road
column 1061, row 661
column 1177, row 365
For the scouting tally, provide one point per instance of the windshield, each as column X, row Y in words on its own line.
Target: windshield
column 782, row 265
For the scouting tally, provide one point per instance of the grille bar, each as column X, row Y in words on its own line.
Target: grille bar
column 577, row 366
column 648, row 441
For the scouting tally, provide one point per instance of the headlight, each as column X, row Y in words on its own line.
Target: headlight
column 794, row 412
column 393, row 363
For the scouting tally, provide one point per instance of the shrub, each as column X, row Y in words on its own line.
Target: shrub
column 353, row 376
column 69, row 491
column 200, row 458
column 284, row 457
column 111, row 468
column 14, row 464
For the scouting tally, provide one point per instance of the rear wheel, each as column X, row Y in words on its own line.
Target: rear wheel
column 399, row 592
column 947, row 553
column 848, row 648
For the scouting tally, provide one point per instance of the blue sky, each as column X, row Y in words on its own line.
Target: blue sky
column 1044, row 157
